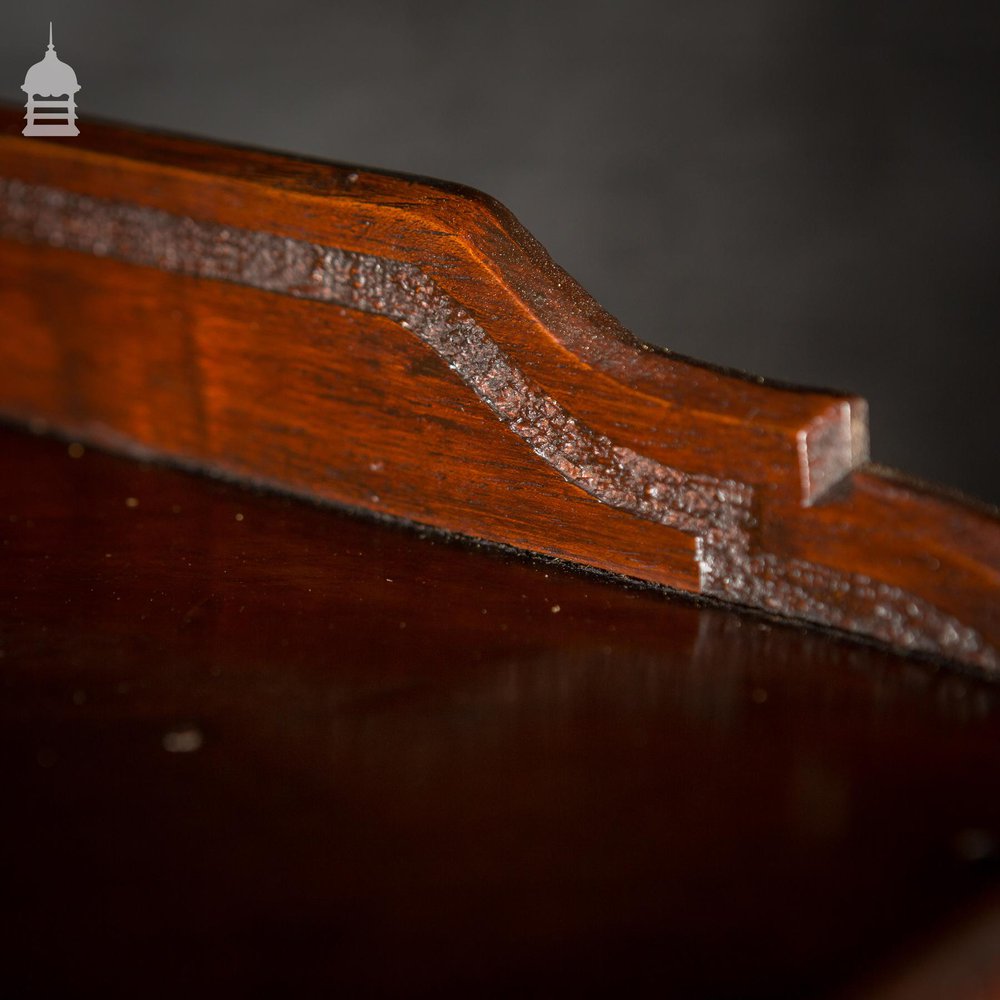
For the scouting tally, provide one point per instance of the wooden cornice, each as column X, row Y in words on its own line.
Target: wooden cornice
column 406, row 347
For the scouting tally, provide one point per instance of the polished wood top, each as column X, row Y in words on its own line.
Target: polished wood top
column 254, row 744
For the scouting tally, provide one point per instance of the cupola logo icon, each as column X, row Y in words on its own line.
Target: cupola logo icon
column 51, row 78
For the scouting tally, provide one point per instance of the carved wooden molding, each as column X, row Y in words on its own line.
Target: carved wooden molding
column 404, row 346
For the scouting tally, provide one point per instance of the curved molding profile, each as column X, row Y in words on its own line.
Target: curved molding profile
column 411, row 350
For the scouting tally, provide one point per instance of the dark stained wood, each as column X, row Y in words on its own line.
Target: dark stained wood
column 404, row 346
column 962, row 959
column 251, row 745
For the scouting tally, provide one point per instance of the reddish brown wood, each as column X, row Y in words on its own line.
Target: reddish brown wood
column 404, row 346
column 250, row 745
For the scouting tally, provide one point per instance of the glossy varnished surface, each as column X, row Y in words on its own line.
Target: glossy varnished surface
column 248, row 742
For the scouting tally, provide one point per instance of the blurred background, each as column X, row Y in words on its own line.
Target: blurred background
column 805, row 190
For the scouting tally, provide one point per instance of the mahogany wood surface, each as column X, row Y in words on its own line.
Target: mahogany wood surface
column 404, row 346
column 251, row 745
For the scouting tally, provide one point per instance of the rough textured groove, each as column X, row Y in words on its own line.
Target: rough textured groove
column 718, row 513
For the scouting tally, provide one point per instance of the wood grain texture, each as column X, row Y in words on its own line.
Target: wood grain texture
column 405, row 346
column 251, row 745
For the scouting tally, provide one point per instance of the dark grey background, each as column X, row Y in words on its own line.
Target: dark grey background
column 805, row 190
